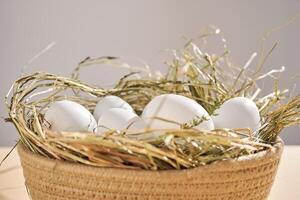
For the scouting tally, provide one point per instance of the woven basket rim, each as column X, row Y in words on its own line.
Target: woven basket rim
column 248, row 161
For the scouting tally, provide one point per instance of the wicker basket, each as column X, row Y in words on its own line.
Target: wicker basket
column 249, row 177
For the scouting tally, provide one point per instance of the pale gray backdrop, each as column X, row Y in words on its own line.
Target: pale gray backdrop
column 136, row 29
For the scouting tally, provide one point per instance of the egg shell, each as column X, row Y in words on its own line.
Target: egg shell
column 137, row 125
column 109, row 102
column 70, row 116
column 175, row 108
column 238, row 112
column 116, row 118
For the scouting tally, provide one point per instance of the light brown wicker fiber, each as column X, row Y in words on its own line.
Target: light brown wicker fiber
column 249, row 177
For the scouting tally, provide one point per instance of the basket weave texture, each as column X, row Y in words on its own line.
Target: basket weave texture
column 249, row 177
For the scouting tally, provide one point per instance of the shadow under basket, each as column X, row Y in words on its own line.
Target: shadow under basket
column 245, row 178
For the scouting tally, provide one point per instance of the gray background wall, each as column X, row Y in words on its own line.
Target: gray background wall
column 136, row 29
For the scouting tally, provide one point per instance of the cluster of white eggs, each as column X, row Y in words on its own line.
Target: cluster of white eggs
column 167, row 111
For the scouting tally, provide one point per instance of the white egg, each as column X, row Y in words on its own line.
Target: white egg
column 116, row 118
column 137, row 125
column 238, row 112
column 109, row 102
column 67, row 115
column 175, row 108
column 137, row 130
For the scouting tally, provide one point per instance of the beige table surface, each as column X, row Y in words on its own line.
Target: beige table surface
column 286, row 186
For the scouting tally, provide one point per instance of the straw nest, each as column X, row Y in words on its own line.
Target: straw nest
column 208, row 79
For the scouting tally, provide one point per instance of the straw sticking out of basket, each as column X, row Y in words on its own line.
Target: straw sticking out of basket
column 208, row 79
